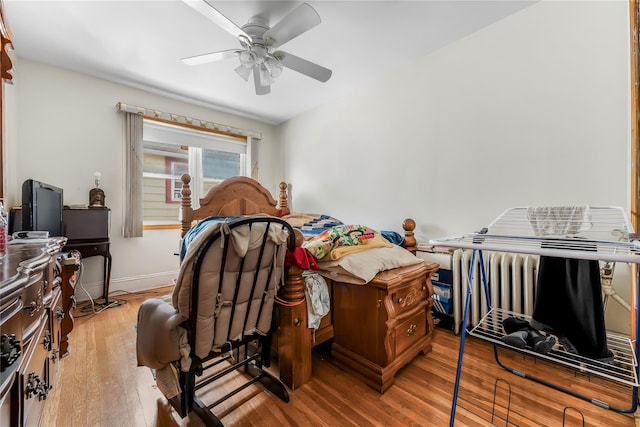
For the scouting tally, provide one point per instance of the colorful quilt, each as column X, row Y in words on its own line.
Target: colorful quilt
column 311, row 224
column 339, row 235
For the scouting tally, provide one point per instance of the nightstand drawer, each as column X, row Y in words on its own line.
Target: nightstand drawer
column 408, row 297
column 410, row 331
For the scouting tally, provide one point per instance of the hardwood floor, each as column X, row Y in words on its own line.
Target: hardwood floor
column 99, row 384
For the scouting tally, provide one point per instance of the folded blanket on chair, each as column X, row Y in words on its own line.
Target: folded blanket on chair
column 160, row 340
column 197, row 229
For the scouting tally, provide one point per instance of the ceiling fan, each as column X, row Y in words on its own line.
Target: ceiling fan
column 258, row 55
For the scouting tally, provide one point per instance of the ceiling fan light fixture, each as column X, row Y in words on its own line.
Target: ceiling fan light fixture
column 243, row 72
column 247, row 59
column 265, row 77
column 274, row 66
column 260, row 53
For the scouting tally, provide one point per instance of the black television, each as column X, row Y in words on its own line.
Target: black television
column 41, row 207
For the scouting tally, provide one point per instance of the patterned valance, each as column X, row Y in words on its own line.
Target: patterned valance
column 199, row 124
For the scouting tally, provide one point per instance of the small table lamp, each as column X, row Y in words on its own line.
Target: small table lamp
column 96, row 195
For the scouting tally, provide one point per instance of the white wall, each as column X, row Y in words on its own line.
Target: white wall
column 66, row 127
column 532, row 110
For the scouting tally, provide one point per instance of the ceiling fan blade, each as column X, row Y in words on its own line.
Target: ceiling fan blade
column 303, row 66
column 260, row 90
column 301, row 19
column 210, row 57
column 211, row 13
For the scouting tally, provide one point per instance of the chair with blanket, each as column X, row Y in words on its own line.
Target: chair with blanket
column 220, row 316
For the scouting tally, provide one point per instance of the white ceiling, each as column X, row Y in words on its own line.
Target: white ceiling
column 140, row 43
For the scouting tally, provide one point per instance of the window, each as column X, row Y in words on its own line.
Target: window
column 175, row 167
column 170, row 151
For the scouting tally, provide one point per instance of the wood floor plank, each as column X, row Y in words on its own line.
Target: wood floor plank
column 99, row 384
column 95, row 348
column 109, row 369
column 78, row 390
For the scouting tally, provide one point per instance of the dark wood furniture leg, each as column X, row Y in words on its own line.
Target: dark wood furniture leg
column 69, row 276
column 107, row 275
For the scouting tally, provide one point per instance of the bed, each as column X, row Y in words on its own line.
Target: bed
column 397, row 320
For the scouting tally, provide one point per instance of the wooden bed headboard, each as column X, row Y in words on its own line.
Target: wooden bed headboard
column 239, row 195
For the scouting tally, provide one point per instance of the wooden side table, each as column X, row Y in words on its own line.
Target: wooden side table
column 87, row 231
column 90, row 248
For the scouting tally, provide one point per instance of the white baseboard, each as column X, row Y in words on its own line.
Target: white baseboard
column 127, row 284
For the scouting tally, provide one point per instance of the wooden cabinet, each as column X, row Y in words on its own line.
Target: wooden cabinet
column 381, row 326
column 29, row 329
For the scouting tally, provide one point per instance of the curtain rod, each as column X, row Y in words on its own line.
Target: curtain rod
column 189, row 121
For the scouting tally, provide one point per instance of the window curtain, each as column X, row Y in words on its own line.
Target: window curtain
column 252, row 155
column 133, row 215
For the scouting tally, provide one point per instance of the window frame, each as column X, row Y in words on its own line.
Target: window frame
column 173, row 181
column 178, row 134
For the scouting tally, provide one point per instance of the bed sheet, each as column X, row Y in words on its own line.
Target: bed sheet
column 356, row 264
column 312, row 224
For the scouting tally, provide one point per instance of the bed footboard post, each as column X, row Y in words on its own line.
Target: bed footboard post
column 186, row 211
column 294, row 339
column 282, row 199
column 409, row 242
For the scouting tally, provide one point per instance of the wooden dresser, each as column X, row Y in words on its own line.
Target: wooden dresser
column 381, row 326
column 31, row 314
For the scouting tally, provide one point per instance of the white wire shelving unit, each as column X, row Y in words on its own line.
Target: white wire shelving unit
column 601, row 233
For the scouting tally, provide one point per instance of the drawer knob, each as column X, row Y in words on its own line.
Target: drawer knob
column 411, row 329
column 32, row 307
column 46, row 341
column 33, row 385
column 43, row 391
column 10, row 351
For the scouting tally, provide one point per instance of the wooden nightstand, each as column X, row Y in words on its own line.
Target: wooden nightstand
column 381, row 326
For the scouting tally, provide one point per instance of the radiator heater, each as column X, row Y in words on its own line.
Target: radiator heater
column 511, row 280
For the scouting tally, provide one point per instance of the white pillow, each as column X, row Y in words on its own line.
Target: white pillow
column 360, row 267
